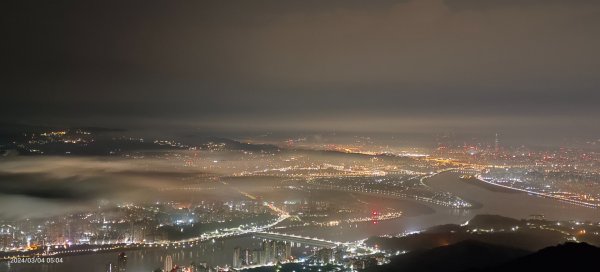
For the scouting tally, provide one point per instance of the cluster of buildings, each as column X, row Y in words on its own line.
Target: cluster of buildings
column 269, row 253
column 130, row 223
column 274, row 252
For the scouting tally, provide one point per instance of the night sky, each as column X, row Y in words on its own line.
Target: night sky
column 531, row 66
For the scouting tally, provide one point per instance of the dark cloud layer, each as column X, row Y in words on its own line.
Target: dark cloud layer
column 268, row 65
column 46, row 187
column 41, row 186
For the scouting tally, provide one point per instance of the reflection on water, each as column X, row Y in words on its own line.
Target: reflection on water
column 517, row 205
column 217, row 253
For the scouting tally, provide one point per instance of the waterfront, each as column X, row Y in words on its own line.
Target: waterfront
column 417, row 216
column 510, row 203
column 213, row 253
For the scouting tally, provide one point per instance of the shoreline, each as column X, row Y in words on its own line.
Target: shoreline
column 565, row 200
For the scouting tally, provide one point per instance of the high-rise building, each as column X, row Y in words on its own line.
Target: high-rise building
column 110, row 267
column 236, row 258
column 288, row 251
column 274, row 251
column 168, row 263
column 267, row 257
column 246, row 257
column 497, row 144
column 6, row 240
column 257, row 256
column 122, row 262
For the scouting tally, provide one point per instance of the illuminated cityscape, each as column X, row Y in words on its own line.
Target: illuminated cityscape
column 300, row 136
column 267, row 202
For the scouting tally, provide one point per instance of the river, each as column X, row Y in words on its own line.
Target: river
column 490, row 201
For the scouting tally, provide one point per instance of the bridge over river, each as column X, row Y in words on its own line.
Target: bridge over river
column 311, row 241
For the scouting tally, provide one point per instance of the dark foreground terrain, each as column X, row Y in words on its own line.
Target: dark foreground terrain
column 495, row 243
column 473, row 256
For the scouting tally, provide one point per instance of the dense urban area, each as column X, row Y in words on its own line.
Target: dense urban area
column 289, row 197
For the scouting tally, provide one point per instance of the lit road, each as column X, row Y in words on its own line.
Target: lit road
column 312, row 241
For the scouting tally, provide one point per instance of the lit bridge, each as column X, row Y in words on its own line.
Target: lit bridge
column 311, row 241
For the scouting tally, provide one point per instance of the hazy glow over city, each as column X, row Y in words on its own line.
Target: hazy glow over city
column 284, row 136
